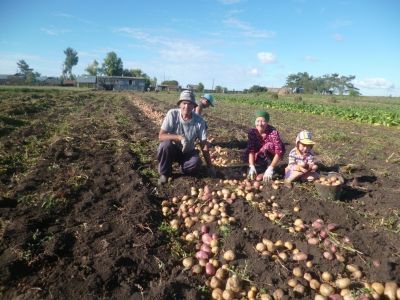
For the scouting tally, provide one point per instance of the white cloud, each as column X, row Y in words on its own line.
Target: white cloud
column 374, row 83
column 340, row 24
column 54, row 31
column 254, row 72
column 170, row 48
column 266, row 57
column 228, row 2
column 248, row 30
column 338, row 37
column 311, row 58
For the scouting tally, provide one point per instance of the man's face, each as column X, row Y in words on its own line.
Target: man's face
column 186, row 106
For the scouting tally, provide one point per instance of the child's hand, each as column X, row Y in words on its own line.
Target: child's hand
column 303, row 170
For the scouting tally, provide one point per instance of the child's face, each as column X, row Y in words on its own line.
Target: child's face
column 304, row 149
column 205, row 102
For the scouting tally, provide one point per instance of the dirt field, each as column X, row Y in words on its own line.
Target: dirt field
column 82, row 215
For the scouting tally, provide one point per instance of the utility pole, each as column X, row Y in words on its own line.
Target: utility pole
column 212, row 88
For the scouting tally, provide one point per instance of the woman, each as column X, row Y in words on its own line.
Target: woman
column 264, row 147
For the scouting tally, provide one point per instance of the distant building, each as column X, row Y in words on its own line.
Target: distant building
column 120, row 83
column 11, row 79
column 86, row 81
column 52, row 81
column 298, row 90
column 193, row 87
column 68, row 82
column 165, row 87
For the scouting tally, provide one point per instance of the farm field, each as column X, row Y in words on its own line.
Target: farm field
column 81, row 215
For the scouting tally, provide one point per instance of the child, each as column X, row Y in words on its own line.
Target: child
column 301, row 160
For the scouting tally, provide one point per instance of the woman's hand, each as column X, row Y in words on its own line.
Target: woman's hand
column 252, row 172
column 268, row 174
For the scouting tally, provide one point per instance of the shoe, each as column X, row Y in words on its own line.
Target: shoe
column 162, row 180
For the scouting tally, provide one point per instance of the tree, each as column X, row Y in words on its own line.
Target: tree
column 112, row 65
column 153, row 83
column 219, row 89
column 200, row 88
column 170, row 82
column 71, row 60
column 23, row 68
column 257, row 89
column 27, row 72
column 329, row 83
column 93, row 68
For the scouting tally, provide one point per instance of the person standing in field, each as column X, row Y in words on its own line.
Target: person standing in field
column 180, row 129
column 301, row 163
column 264, row 148
column 206, row 101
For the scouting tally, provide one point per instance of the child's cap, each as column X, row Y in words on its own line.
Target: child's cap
column 305, row 137
column 264, row 114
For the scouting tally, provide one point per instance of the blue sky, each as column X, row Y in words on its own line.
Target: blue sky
column 231, row 43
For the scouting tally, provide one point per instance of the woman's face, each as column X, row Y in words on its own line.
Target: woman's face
column 304, row 149
column 261, row 124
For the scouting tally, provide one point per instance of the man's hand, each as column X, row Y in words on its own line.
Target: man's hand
column 212, row 172
column 185, row 145
column 268, row 174
column 252, row 172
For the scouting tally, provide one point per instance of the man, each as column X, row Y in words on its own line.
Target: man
column 179, row 131
column 206, row 100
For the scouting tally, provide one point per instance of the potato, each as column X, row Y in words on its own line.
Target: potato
column 299, row 289
column 217, row 294
column 390, row 290
column 215, row 282
column 229, row 255
column 314, row 284
column 221, row 273
column 265, row 297
column 326, row 289
column 260, row 247
column 342, row 283
column 326, row 276
column 197, row 269
column 378, row 287
column 292, row 282
column 300, row 256
column 187, row 262
column 307, row 276
column 288, row 245
column 228, row 295
column 234, row 284
column 352, row 268
column 278, row 294
column 297, row 272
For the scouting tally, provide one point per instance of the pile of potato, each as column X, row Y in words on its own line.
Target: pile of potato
column 330, row 180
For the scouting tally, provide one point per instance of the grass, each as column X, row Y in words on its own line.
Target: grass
column 176, row 245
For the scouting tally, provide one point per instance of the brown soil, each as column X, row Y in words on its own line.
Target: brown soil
column 102, row 238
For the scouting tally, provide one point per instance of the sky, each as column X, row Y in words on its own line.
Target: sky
column 231, row 43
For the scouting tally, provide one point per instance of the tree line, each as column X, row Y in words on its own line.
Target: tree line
column 113, row 66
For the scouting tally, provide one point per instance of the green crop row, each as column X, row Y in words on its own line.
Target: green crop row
column 386, row 117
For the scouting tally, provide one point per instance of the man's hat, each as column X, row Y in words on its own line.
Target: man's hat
column 187, row 95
